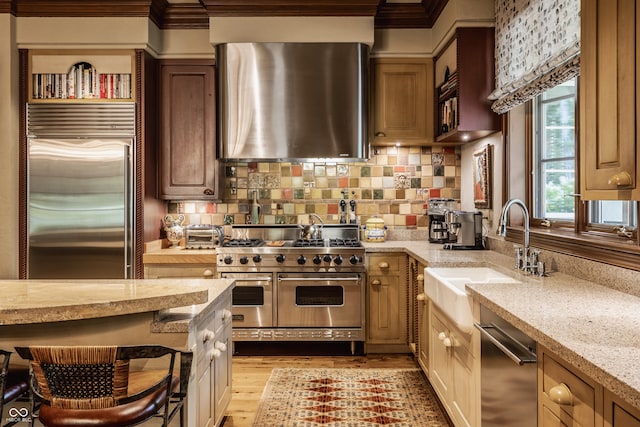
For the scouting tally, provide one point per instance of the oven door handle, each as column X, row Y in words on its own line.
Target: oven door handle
column 319, row 279
column 248, row 279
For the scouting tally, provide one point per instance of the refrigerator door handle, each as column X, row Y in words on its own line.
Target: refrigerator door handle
column 128, row 202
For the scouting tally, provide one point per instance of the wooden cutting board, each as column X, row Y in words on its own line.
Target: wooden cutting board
column 275, row 243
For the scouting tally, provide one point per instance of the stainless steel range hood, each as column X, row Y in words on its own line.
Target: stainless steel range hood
column 292, row 101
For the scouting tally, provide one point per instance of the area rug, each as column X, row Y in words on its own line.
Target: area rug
column 348, row 397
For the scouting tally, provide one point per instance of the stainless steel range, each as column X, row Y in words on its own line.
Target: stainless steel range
column 292, row 289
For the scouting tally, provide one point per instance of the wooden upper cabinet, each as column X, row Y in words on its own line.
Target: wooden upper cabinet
column 608, row 100
column 463, row 110
column 187, row 130
column 402, row 110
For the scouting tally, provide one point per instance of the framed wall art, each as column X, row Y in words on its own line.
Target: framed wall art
column 482, row 171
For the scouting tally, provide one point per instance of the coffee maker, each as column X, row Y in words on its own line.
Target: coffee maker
column 438, row 231
column 465, row 230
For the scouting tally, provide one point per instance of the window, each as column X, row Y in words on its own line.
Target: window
column 554, row 185
column 554, row 170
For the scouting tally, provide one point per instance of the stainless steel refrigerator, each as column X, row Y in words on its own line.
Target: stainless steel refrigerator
column 80, row 191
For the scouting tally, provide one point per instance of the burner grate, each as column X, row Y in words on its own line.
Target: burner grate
column 308, row 243
column 242, row 243
column 344, row 243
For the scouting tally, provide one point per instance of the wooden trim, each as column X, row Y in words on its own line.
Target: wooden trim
column 596, row 247
column 506, row 164
column 23, row 231
column 8, row 6
column 406, row 15
column 183, row 15
column 290, row 8
column 75, row 8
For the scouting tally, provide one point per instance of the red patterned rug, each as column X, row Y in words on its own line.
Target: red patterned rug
column 349, row 397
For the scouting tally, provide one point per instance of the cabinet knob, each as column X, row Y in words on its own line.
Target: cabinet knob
column 420, row 278
column 442, row 336
column 208, row 192
column 420, row 297
column 215, row 354
column 376, row 282
column 207, row 273
column 561, row 394
column 226, row 315
column 621, row 179
column 220, row 346
column 381, row 134
column 383, row 265
column 207, row 335
column 447, row 342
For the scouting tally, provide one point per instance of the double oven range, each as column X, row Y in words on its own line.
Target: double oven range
column 293, row 289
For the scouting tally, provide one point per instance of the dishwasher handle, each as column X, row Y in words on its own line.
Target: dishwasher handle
column 499, row 338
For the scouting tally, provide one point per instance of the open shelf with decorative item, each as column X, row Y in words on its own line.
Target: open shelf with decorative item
column 81, row 76
column 464, row 74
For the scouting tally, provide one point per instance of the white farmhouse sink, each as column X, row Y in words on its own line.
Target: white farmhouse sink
column 445, row 286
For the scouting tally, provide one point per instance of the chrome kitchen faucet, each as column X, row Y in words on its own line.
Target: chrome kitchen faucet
column 525, row 259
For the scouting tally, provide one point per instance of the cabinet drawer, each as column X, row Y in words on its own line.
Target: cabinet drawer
column 581, row 409
column 383, row 265
column 199, row 272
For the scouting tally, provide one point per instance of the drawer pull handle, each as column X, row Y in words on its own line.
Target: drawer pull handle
column 561, row 394
column 420, row 297
column 383, row 265
column 207, row 273
column 621, row 179
column 376, row 282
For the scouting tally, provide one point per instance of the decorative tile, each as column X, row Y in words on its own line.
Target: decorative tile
column 296, row 170
column 331, row 170
column 365, row 171
column 343, row 170
column 415, row 182
column 438, row 181
column 378, row 194
column 401, row 180
column 298, row 193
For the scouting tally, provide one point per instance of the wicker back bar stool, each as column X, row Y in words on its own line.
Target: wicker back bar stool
column 94, row 385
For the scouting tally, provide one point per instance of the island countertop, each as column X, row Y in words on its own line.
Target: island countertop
column 41, row 301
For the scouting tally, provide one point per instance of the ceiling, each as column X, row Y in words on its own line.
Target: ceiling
column 196, row 13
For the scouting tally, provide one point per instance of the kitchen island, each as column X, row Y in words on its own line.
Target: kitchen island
column 187, row 314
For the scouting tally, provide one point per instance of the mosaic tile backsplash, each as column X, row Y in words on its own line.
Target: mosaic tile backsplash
column 394, row 185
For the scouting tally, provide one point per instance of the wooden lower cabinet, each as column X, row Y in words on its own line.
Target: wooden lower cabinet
column 569, row 397
column 422, row 347
column 387, row 300
column 453, row 369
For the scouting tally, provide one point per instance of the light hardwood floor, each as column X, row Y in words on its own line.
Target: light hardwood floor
column 250, row 375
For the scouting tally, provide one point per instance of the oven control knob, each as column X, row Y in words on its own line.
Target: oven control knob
column 354, row 259
column 257, row 258
column 317, row 260
column 280, row 258
column 228, row 260
column 244, row 260
column 327, row 258
column 337, row 260
column 302, row 259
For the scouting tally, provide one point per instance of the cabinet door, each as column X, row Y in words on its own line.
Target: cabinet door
column 464, row 397
column 423, row 333
column 618, row 413
column 187, row 137
column 222, row 385
column 402, row 92
column 439, row 358
column 608, row 102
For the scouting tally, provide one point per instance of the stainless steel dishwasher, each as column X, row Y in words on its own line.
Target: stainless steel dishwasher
column 508, row 373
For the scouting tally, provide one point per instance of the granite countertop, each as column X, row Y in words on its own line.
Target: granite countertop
column 180, row 319
column 39, row 301
column 593, row 327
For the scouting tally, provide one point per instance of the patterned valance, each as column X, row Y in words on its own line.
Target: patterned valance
column 537, row 47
